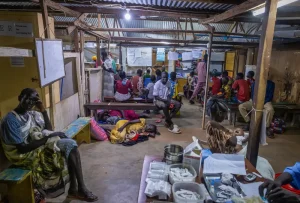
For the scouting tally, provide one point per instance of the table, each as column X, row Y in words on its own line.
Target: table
column 142, row 198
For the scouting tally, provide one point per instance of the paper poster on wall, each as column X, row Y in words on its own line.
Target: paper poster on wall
column 16, row 29
column 196, row 53
column 160, row 55
column 186, row 56
column 50, row 59
column 139, row 56
column 172, row 56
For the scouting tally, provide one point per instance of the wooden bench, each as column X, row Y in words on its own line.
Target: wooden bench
column 117, row 106
column 79, row 130
column 131, row 100
column 19, row 184
column 19, row 181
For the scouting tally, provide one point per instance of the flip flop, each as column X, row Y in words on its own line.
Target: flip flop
column 90, row 197
column 158, row 121
column 175, row 130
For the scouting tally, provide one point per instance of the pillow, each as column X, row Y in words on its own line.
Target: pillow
column 97, row 132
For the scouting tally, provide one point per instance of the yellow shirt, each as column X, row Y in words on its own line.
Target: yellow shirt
column 118, row 137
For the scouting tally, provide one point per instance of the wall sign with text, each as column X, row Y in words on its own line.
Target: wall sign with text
column 16, row 29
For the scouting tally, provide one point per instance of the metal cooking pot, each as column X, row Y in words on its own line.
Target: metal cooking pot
column 173, row 154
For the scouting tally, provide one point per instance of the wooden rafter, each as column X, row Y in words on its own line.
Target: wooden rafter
column 80, row 24
column 239, row 9
column 106, row 23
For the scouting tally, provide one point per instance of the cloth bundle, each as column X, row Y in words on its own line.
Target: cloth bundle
column 278, row 126
column 188, row 195
column 180, row 174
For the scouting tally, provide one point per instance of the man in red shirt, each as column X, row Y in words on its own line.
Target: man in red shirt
column 216, row 84
column 243, row 96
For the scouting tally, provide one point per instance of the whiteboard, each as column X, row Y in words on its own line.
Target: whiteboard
column 139, row 56
column 50, row 60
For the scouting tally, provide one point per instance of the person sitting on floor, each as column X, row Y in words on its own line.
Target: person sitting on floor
column 137, row 82
column 274, row 192
column 29, row 142
column 162, row 101
column 123, row 88
column 243, row 95
column 268, row 107
column 135, row 130
column 226, row 141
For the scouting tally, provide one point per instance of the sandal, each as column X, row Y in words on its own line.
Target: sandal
column 90, row 197
column 175, row 130
column 158, row 121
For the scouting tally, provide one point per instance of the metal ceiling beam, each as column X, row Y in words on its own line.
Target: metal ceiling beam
column 148, row 30
column 135, row 39
column 239, row 9
column 141, row 44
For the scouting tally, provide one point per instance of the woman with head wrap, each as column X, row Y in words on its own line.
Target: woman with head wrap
column 223, row 140
column 29, row 142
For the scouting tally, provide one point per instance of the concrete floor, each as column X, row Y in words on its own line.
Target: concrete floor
column 113, row 171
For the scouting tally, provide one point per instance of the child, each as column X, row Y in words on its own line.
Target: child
column 149, row 88
column 123, row 88
column 137, row 82
column 190, row 85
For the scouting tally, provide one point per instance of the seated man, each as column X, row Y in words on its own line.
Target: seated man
column 29, row 142
column 162, row 100
column 243, row 95
column 275, row 193
column 247, row 106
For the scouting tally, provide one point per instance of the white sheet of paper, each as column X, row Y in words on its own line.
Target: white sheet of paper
column 225, row 163
column 251, row 189
column 196, row 53
column 187, row 56
column 137, row 53
column 172, row 56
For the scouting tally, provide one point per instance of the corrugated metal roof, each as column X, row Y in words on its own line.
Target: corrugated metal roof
column 151, row 3
column 172, row 4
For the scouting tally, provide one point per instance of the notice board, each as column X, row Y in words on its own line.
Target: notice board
column 139, row 56
column 50, row 59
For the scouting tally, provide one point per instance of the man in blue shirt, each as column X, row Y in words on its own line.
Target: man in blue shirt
column 268, row 107
column 275, row 193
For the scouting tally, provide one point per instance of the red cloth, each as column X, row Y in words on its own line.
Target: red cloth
column 123, row 89
column 115, row 113
column 243, row 93
column 130, row 115
column 216, row 85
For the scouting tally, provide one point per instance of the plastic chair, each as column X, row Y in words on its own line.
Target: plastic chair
column 288, row 186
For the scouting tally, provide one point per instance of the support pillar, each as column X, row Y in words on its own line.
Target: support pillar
column 262, row 70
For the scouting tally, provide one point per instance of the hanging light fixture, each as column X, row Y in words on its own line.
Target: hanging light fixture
column 127, row 15
column 279, row 4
